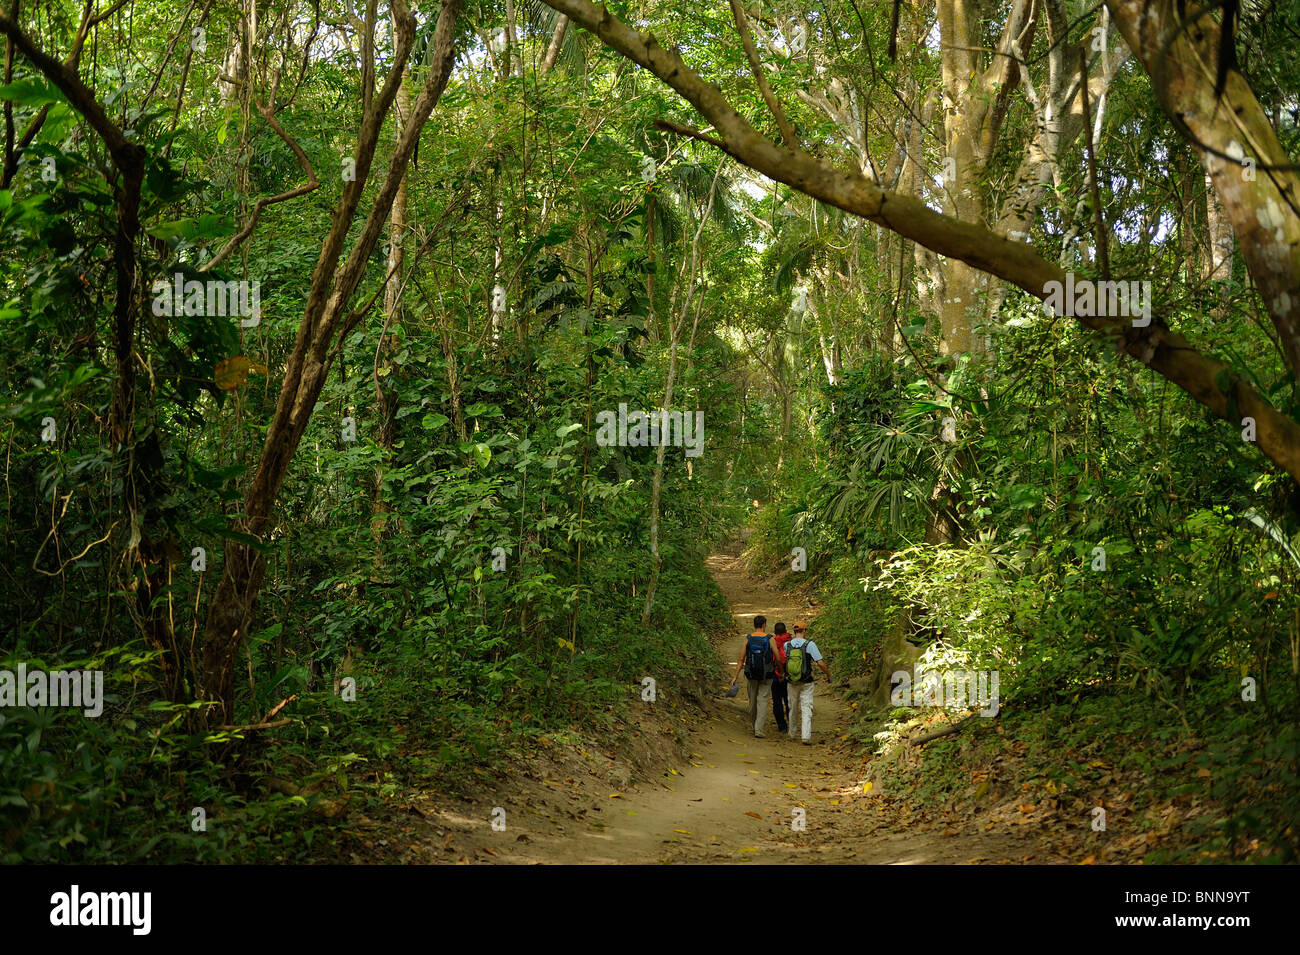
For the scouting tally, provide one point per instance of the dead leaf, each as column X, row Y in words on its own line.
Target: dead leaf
column 233, row 372
column 754, row 814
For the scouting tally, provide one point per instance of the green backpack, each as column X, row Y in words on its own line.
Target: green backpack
column 798, row 663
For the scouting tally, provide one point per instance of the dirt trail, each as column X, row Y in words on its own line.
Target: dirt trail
column 735, row 799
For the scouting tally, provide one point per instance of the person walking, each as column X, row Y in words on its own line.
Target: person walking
column 758, row 657
column 800, row 655
column 780, row 701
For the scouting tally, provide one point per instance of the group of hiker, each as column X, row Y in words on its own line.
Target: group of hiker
column 780, row 667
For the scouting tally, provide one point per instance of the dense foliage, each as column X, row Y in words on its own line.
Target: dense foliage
column 359, row 532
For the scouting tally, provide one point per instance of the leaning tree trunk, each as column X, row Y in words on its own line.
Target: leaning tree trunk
column 326, row 320
column 385, row 370
column 1257, row 189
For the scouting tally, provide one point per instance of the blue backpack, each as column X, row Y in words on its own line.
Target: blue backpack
column 759, row 664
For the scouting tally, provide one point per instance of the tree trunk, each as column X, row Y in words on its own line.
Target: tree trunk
column 557, row 44
column 385, row 369
column 325, row 320
column 656, row 483
column 1260, row 202
column 1207, row 380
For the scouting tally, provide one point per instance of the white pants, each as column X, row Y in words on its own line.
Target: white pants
column 760, row 696
column 801, row 704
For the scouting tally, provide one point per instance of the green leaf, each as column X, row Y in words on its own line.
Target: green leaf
column 204, row 226
column 216, row 525
column 170, row 230
column 932, row 406
column 31, row 93
column 432, row 422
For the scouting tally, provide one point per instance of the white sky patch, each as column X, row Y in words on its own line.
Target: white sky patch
column 757, row 187
column 932, row 38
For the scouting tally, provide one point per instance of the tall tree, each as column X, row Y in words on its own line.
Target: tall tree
column 1168, row 353
column 327, row 318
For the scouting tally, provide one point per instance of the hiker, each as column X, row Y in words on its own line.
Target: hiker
column 758, row 657
column 780, row 701
column 800, row 655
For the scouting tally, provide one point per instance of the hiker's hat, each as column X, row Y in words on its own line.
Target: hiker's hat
column 800, row 625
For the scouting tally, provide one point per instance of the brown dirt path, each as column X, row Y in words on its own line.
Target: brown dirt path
column 734, row 800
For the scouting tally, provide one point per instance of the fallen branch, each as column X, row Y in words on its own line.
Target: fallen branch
column 255, row 726
column 946, row 730
column 279, row 706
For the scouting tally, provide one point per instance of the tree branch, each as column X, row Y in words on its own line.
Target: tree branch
column 742, row 25
column 312, row 184
column 124, row 153
column 1208, row 381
